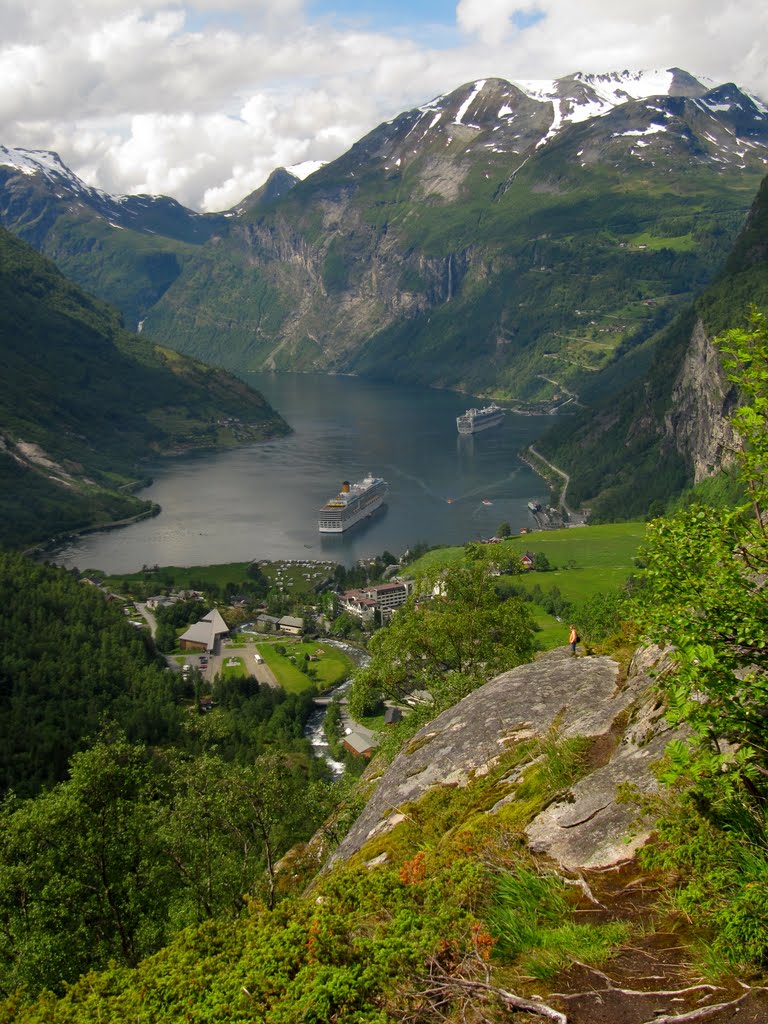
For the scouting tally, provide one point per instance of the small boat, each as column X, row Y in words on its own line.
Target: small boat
column 449, row 501
column 486, row 502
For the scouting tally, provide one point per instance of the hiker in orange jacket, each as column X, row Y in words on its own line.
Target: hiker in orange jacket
column 573, row 639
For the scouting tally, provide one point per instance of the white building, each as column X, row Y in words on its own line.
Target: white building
column 382, row 597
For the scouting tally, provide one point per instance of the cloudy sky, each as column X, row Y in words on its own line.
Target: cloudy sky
column 201, row 101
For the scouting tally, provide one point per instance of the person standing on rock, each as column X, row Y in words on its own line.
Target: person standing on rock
column 573, row 639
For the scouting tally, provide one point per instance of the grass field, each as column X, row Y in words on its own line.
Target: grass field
column 187, row 577
column 234, row 666
column 332, row 666
column 292, row 576
column 585, row 561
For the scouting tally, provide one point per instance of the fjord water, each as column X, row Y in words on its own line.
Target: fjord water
column 262, row 501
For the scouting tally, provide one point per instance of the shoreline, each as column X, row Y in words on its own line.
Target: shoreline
column 56, row 542
column 536, row 463
column 52, row 543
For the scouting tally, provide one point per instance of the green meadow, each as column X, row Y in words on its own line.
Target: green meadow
column 332, row 666
column 584, row 561
column 293, row 576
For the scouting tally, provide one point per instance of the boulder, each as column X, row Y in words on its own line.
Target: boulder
column 582, row 696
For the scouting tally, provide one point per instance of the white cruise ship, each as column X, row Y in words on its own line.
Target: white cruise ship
column 474, row 420
column 353, row 503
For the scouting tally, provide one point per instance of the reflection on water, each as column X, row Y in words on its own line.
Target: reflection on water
column 262, row 501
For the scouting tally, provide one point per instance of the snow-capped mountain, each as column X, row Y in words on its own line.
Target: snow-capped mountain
column 33, row 180
column 638, row 114
column 498, row 238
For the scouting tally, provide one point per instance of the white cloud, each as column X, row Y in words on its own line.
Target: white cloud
column 203, row 102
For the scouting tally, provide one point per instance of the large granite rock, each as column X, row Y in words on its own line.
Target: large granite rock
column 583, row 697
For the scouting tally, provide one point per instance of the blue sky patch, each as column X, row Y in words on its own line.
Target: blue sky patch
column 393, row 14
column 524, row 19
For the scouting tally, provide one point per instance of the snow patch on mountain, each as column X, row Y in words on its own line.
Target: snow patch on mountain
column 652, row 129
column 50, row 165
column 601, row 92
column 39, row 161
column 469, row 101
column 305, row 168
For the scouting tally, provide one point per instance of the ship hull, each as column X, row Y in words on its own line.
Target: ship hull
column 353, row 520
column 342, row 513
column 484, row 425
column 475, row 420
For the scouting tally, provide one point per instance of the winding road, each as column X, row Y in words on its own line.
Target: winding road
column 559, row 472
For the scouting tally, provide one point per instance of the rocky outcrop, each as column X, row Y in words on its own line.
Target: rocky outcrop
column 586, row 826
column 701, row 402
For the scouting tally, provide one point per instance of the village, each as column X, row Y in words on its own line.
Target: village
column 305, row 633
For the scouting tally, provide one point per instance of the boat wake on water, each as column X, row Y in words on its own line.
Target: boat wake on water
column 418, row 481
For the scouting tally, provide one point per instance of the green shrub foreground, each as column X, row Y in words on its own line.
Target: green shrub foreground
column 359, row 945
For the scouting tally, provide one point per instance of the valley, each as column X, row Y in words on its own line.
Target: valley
column 262, row 501
column 518, row 828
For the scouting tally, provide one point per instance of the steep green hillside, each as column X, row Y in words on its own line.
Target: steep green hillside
column 82, row 401
column 129, row 269
column 516, row 294
column 624, row 455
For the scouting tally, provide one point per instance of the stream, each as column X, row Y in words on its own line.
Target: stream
column 313, row 730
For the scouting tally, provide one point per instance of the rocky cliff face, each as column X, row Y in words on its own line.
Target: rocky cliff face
column 498, row 239
column 702, row 400
column 585, row 826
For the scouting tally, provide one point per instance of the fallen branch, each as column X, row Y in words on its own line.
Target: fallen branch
column 538, row 1009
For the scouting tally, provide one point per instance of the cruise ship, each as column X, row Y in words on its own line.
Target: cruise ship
column 353, row 503
column 474, row 420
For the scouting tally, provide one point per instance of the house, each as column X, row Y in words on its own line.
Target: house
column 528, row 560
column 267, row 623
column 382, row 597
column 356, row 603
column 291, row 624
column 392, row 716
column 203, row 635
column 358, row 745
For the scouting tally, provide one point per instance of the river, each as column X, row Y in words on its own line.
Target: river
column 261, row 501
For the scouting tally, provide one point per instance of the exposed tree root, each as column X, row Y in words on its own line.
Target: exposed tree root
column 611, row 986
column 701, row 1013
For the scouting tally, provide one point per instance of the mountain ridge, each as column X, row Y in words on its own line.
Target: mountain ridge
column 506, row 243
column 84, row 401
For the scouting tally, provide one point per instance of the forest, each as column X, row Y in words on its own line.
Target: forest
column 84, row 402
column 150, row 867
column 128, row 813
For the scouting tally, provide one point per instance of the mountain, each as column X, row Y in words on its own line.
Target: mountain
column 125, row 249
column 526, row 241
column 83, row 401
column 635, row 447
column 502, row 239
